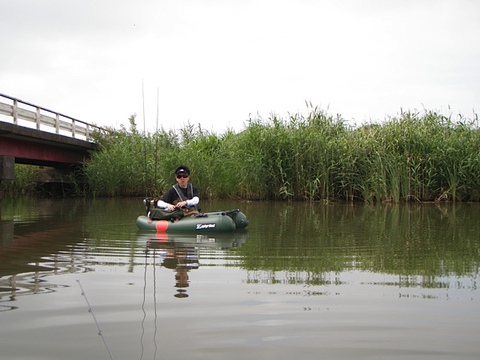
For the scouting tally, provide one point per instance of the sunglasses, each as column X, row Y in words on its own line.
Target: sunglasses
column 182, row 176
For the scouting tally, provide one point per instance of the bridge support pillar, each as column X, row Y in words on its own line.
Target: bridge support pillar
column 7, row 172
column 7, row 167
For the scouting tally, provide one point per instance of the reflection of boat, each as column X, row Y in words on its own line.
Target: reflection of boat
column 217, row 221
column 163, row 240
column 181, row 252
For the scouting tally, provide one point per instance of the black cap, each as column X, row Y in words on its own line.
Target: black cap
column 182, row 169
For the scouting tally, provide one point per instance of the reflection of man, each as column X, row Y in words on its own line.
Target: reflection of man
column 181, row 278
column 181, row 260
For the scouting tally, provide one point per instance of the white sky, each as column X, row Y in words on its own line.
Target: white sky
column 215, row 62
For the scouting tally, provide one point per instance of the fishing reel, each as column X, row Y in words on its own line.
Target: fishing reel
column 149, row 203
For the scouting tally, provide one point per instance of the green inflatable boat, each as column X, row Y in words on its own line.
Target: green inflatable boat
column 217, row 221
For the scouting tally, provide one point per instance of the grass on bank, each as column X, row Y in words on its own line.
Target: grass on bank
column 412, row 157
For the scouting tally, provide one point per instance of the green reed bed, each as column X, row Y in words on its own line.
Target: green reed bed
column 128, row 162
column 407, row 158
column 412, row 157
column 24, row 182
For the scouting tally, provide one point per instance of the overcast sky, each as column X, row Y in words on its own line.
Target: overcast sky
column 218, row 62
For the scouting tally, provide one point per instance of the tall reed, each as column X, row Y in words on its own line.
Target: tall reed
column 317, row 156
column 24, row 183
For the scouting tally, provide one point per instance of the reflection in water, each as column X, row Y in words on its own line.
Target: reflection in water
column 427, row 245
column 31, row 250
column 41, row 237
column 414, row 245
column 180, row 252
column 350, row 267
column 179, row 257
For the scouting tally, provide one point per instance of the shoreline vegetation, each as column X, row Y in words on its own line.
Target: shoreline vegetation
column 414, row 157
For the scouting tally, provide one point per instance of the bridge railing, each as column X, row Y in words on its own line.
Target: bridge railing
column 26, row 114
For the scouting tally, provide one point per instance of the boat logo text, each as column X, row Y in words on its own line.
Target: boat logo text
column 205, row 226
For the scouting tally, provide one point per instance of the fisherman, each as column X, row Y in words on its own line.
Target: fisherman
column 183, row 195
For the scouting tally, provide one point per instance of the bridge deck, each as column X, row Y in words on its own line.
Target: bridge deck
column 39, row 136
column 30, row 146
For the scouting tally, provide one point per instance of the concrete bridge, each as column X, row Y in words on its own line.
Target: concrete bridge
column 31, row 134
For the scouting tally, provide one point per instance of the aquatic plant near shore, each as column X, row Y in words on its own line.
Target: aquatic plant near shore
column 411, row 157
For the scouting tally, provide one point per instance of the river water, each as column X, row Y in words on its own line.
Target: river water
column 309, row 280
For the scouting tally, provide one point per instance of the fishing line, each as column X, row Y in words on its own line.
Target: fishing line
column 143, row 305
column 90, row 310
column 155, row 306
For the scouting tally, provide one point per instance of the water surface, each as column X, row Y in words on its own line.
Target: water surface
column 313, row 280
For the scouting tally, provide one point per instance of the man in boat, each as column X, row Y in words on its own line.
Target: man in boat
column 183, row 195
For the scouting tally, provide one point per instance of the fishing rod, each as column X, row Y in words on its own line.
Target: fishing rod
column 144, row 142
column 90, row 310
column 156, row 150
